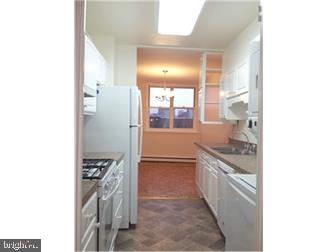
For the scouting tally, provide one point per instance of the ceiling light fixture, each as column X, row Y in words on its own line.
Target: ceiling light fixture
column 167, row 93
column 178, row 17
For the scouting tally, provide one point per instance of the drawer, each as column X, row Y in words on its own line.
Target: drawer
column 208, row 158
column 89, row 212
column 225, row 168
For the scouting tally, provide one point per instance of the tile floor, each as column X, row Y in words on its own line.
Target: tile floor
column 172, row 225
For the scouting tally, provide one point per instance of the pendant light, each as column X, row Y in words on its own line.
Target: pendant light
column 166, row 94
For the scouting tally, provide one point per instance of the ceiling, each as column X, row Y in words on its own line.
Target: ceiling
column 135, row 22
column 183, row 66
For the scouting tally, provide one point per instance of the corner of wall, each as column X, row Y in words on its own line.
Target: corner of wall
column 125, row 65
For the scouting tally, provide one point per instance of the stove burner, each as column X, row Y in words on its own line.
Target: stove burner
column 95, row 168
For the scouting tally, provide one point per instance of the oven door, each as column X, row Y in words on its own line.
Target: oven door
column 106, row 218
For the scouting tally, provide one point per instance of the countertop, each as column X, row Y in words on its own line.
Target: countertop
column 241, row 163
column 112, row 155
column 89, row 187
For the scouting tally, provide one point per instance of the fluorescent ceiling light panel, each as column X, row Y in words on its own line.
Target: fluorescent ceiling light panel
column 178, row 17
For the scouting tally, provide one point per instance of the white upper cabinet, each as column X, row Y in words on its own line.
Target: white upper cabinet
column 96, row 71
column 233, row 95
column 91, row 68
column 229, row 82
column 236, row 81
column 254, row 78
column 242, row 81
column 101, row 70
column 95, row 68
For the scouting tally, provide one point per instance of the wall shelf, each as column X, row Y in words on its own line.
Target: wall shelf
column 210, row 73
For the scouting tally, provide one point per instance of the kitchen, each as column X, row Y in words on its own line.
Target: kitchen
column 174, row 102
column 43, row 193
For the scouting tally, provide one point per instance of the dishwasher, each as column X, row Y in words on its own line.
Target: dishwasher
column 222, row 188
column 241, row 210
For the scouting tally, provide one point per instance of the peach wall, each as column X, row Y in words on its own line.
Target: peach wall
column 170, row 143
column 167, row 143
column 175, row 143
column 180, row 145
column 215, row 133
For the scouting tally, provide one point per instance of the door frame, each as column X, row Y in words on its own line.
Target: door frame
column 79, row 23
column 259, row 212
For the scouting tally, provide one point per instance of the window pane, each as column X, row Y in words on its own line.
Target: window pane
column 183, row 118
column 184, row 97
column 159, row 118
column 153, row 101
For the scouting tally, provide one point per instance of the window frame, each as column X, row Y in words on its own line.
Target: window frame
column 171, row 111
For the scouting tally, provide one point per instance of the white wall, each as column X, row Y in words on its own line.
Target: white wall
column 106, row 46
column 125, row 65
column 234, row 54
column 122, row 60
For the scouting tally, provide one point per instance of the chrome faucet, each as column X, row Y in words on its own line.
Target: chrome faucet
column 244, row 134
column 246, row 146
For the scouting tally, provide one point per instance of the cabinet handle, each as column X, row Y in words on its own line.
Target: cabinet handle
column 257, row 81
column 97, row 225
column 89, row 216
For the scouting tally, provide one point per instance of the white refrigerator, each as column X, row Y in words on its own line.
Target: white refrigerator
column 117, row 127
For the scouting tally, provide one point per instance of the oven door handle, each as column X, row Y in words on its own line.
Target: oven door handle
column 105, row 198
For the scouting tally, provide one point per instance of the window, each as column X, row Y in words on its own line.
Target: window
column 180, row 108
column 183, row 107
column 159, row 110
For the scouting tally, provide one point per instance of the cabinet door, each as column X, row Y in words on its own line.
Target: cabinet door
column 102, row 70
column 206, row 183
column 91, row 243
column 203, row 177
column 230, row 82
column 200, row 178
column 213, row 191
column 200, row 174
column 254, row 83
column 242, row 76
column 91, row 67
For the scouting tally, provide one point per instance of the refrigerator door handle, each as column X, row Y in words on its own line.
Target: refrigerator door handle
column 140, row 127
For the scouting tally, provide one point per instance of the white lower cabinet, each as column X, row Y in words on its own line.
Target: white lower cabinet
column 207, row 179
column 206, row 182
column 213, row 181
column 88, row 225
column 91, row 242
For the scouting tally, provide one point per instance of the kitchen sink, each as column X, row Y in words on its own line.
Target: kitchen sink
column 232, row 150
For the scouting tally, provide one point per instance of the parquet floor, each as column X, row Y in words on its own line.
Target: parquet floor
column 167, row 180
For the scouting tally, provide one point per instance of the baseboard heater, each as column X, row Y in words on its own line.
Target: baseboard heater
column 168, row 159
